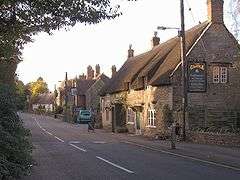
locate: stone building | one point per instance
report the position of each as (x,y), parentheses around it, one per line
(93,97)
(145,95)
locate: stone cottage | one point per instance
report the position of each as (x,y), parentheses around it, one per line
(93,97)
(145,95)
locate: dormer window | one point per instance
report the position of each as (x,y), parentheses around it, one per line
(220,74)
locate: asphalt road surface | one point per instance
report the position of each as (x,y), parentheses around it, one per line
(66,151)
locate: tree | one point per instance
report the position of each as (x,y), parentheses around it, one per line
(235,17)
(38,87)
(15,147)
(21,95)
(20,19)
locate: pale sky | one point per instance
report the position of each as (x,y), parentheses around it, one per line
(106,43)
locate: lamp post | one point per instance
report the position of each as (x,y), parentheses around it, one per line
(181,33)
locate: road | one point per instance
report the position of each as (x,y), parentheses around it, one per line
(66,151)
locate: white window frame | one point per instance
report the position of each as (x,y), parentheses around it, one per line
(151,118)
(220,74)
(216,78)
(223,74)
(130,116)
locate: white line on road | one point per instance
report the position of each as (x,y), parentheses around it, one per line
(99,142)
(115,165)
(74,142)
(59,139)
(49,133)
(81,149)
(184,156)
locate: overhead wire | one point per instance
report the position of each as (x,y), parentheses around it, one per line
(194,20)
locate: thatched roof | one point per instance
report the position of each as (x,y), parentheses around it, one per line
(156,64)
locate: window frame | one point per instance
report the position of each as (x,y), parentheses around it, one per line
(223,76)
(130,116)
(151,116)
(216,77)
(220,74)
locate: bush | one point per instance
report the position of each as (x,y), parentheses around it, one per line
(59,110)
(15,148)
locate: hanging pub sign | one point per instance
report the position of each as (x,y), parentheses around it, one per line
(197,77)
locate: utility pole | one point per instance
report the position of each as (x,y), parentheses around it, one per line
(184,68)
(66,97)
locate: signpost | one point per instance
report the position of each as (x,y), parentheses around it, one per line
(197,77)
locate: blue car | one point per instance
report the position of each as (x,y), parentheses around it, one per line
(84,116)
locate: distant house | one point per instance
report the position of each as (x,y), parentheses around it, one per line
(82,85)
(145,95)
(44,102)
(93,97)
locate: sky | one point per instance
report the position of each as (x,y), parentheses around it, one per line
(106,43)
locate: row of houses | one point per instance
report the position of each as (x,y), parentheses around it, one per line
(145,95)
(83,92)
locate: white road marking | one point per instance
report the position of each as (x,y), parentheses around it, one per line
(115,165)
(59,139)
(49,133)
(184,156)
(81,149)
(99,142)
(74,142)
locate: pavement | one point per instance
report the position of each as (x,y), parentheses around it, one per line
(65,151)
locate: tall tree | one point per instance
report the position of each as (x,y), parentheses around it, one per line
(38,87)
(20,19)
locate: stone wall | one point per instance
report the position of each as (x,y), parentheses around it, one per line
(217,139)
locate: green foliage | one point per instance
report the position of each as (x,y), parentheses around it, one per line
(21,96)
(15,148)
(20,20)
(58,110)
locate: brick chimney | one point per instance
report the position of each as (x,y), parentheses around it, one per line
(155,40)
(90,72)
(82,77)
(114,70)
(97,70)
(130,51)
(215,11)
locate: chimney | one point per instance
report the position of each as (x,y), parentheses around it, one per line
(130,51)
(215,11)
(97,70)
(82,77)
(90,72)
(114,70)
(155,40)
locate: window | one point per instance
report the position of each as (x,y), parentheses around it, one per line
(130,116)
(220,74)
(151,117)
(215,74)
(223,75)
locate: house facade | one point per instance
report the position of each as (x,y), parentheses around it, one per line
(93,98)
(44,102)
(146,93)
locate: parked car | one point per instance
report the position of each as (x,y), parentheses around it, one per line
(84,116)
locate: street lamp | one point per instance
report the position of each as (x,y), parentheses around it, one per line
(181,33)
